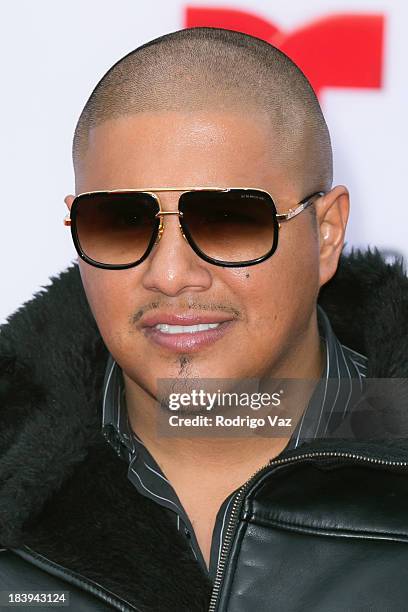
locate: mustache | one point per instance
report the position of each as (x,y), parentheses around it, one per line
(229,309)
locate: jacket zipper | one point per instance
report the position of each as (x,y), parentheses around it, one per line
(233,518)
(71,577)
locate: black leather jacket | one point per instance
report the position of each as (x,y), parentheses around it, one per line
(321,528)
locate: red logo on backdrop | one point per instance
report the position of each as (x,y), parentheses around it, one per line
(340,50)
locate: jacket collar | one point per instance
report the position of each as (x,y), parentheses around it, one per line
(62,489)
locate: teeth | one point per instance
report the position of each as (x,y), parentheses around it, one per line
(182,329)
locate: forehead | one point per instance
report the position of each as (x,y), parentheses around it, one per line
(179,149)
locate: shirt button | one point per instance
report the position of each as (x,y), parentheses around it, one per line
(187,532)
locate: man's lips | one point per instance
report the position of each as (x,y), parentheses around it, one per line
(185,341)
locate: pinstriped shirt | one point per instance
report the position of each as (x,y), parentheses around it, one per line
(334,396)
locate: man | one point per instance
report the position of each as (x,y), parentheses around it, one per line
(181,154)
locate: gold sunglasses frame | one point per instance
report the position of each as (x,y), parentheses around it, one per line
(280,217)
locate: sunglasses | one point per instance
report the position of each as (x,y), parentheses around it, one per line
(233,227)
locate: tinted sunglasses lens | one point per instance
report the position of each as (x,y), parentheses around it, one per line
(238,225)
(115,228)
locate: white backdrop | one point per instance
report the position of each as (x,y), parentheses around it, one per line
(53,54)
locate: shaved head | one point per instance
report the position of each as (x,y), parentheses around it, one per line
(215,69)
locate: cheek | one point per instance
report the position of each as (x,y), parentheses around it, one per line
(284,288)
(109,296)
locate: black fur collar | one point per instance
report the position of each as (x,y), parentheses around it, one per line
(65,493)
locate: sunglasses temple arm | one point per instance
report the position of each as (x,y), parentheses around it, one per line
(293,212)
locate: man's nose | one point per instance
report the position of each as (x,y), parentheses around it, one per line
(172,266)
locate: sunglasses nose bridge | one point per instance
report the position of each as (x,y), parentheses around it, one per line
(161,214)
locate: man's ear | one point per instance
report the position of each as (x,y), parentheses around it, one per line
(332,211)
(68,201)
